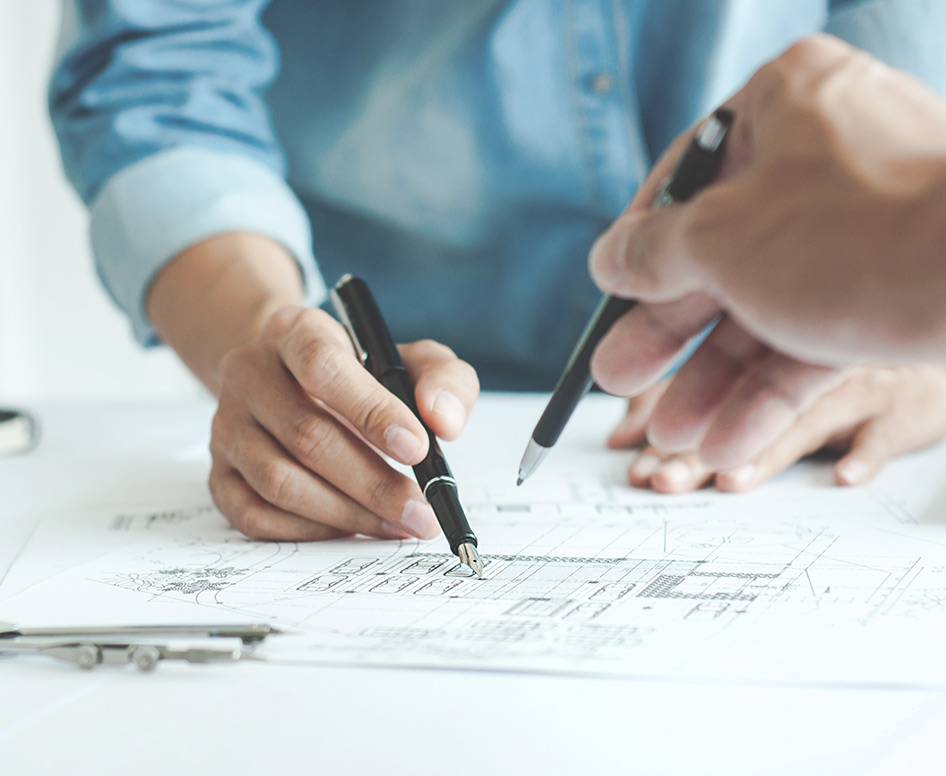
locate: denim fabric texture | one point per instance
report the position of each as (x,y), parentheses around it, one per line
(461,156)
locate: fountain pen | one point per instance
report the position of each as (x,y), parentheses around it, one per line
(698,167)
(359,314)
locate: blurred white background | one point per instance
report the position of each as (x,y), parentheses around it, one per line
(61,338)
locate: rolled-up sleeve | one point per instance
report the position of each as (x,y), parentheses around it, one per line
(160,114)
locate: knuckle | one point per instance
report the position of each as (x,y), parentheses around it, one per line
(238,505)
(812,54)
(321,362)
(218,431)
(281,321)
(215,484)
(803,51)
(250,520)
(311,322)
(235,506)
(372,418)
(468,374)
(773,81)
(312,438)
(276,482)
(217,450)
(800,71)
(434,349)
(225,430)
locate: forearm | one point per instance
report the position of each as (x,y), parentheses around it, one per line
(218,294)
(160,113)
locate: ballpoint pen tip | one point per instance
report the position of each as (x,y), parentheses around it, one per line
(519,481)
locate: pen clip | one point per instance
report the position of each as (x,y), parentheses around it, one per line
(342,312)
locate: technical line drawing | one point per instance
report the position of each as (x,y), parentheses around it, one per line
(581,585)
(157,520)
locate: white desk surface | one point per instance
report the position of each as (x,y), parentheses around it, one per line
(249,718)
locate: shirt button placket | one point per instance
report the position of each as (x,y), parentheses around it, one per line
(599,102)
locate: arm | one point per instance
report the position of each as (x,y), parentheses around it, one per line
(159,113)
(218,295)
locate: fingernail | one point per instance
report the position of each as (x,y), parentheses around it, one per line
(644,465)
(420,520)
(402,444)
(392,531)
(449,407)
(603,269)
(852,472)
(743,476)
(676,473)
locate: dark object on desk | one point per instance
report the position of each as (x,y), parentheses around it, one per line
(369,334)
(698,167)
(19,432)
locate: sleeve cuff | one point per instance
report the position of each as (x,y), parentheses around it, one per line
(150,212)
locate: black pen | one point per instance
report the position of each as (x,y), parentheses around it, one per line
(373,343)
(698,167)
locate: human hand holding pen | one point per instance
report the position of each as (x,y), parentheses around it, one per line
(300,421)
(299,425)
(815,246)
(371,339)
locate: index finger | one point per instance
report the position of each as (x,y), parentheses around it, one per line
(318,353)
(646,341)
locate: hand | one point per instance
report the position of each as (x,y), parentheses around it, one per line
(820,244)
(300,423)
(874,415)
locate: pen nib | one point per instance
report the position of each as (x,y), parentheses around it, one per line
(518,481)
(470,557)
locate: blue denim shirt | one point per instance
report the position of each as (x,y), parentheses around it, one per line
(461,156)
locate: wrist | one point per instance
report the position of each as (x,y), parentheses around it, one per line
(218,294)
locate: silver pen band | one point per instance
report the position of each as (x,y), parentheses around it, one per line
(441,478)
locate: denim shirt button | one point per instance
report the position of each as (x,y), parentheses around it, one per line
(601,83)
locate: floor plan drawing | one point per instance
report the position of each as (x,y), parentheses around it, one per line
(800,579)
(615,585)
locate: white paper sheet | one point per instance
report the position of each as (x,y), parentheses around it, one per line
(798,582)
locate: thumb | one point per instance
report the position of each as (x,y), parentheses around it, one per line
(640,255)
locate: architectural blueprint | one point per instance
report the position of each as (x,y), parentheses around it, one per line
(608,587)
(796,582)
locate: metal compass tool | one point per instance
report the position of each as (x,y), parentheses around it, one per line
(143,645)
